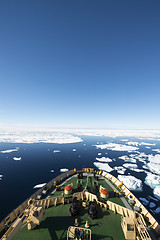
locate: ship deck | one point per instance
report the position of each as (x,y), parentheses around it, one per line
(57,219)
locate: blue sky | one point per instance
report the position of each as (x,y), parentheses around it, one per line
(81,64)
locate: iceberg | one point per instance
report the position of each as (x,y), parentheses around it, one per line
(103,166)
(16,158)
(104,159)
(39,185)
(131,182)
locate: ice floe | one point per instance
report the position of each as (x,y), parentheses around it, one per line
(30,135)
(152,205)
(116,147)
(39,185)
(51,170)
(120,170)
(131,182)
(156,150)
(56,151)
(144,201)
(156,192)
(103,166)
(63,169)
(17,158)
(104,159)
(1,177)
(9,150)
(99,154)
(157,210)
(74,150)
(155,199)
(130,165)
(127,159)
(152,180)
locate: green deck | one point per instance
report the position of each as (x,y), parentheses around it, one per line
(57,219)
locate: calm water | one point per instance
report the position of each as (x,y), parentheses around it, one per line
(19,177)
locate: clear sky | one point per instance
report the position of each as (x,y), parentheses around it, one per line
(80,63)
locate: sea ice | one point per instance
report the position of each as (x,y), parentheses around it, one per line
(116,147)
(56,151)
(133,143)
(127,159)
(104,159)
(9,150)
(103,166)
(99,154)
(38,135)
(155,199)
(1,177)
(39,185)
(154,167)
(157,210)
(120,170)
(152,180)
(51,170)
(17,158)
(156,192)
(156,150)
(130,165)
(152,205)
(74,150)
(131,182)
(144,201)
(63,169)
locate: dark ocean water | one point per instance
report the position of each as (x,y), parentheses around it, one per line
(37,159)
